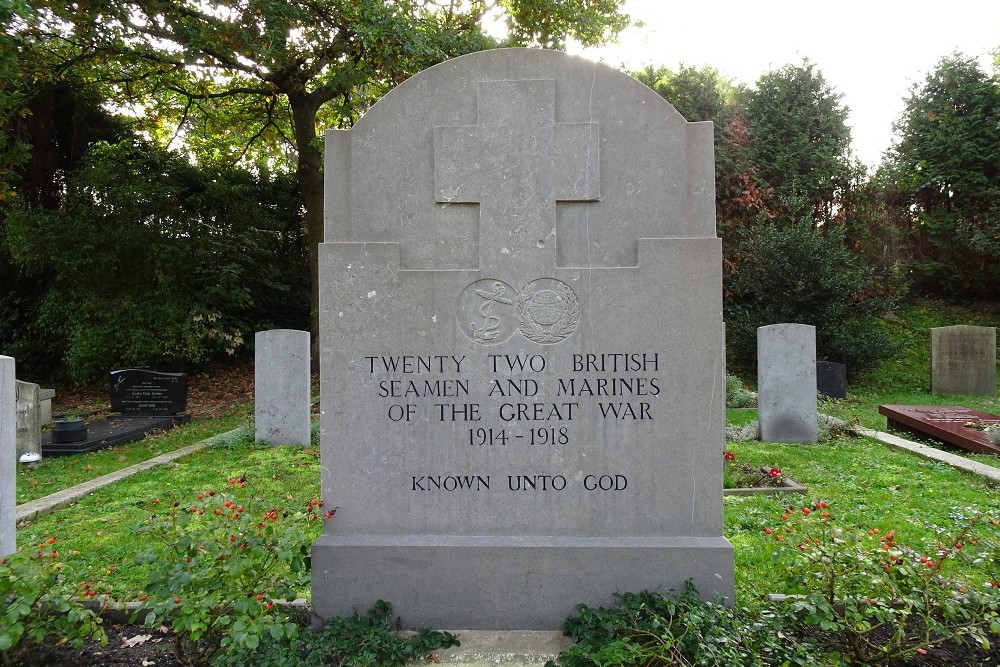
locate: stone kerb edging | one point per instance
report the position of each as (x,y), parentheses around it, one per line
(954,460)
(40,506)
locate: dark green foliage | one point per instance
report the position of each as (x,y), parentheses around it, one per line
(653,629)
(797,275)
(799,141)
(351,641)
(946,166)
(152,261)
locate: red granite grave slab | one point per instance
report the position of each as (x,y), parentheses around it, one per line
(954,425)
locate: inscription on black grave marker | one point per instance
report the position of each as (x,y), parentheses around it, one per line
(142,392)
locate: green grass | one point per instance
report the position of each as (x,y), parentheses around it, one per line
(866,483)
(55,473)
(96,537)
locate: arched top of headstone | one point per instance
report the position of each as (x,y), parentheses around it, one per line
(495,158)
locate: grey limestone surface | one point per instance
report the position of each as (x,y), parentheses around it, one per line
(521,348)
(786,383)
(29,417)
(964,360)
(8,457)
(281,387)
(45,397)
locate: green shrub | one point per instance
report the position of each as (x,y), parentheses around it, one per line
(41,609)
(653,629)
(738,395)
(149,260)
(794,274)
(877,601)
(224,566)
(348,641)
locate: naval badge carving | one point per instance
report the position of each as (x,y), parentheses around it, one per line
(545,311)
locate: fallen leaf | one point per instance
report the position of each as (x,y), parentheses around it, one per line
(135,641)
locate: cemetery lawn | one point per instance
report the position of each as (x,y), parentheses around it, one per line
(217,402)
(867,484)
(55,473)
(97,538)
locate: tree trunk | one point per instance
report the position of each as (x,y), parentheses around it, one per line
(310,179)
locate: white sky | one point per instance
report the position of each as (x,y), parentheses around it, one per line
(871,51)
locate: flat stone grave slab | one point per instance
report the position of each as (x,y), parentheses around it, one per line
(112,431)
(946,423)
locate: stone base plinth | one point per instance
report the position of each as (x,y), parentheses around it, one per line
(507,583)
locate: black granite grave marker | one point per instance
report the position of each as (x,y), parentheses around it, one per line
(831,379)
(142,392)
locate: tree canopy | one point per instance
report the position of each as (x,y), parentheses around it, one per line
(945,164)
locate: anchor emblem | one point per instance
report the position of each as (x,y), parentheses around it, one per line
(490,328)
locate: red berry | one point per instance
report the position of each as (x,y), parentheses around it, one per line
(259,597)
(177,600)
(143,598)
(156,501)
(805,511)
(768,531)
(270,605)
(218,512)
(232,538)
(54,554)
(235,515)
(51,540)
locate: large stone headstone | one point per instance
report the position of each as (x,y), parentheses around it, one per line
(521,348)
(8,458)
(29,419)
(281,387)
(964,360)
(786,383)
(139,392)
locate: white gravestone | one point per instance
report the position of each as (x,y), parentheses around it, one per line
(521,348)
(29,418)
(281,387)
(8,458)
(786,383)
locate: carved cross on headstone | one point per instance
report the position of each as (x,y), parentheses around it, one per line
(516,163)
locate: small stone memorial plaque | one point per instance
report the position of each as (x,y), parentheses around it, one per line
(786,382)
(958,426)
(148,393)
(281,387)
(964,360)
(29,424)
(521,348)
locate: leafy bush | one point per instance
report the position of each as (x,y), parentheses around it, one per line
(877,600)
(653,629)
(349,641)
(738,395)
(795,274)
(41,609)
(149,260)
(224,566)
